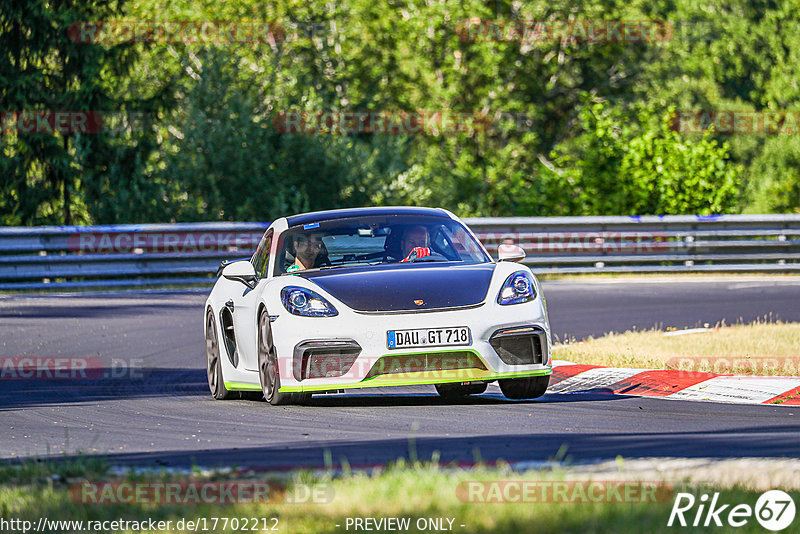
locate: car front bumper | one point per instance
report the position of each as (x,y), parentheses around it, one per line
(351,349)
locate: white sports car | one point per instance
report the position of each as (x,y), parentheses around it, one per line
(373,297)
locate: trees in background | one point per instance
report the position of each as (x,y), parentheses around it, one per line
(571,127)
(738,56)
(641,166)
(50,172)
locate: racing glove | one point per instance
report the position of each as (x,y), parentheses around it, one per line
(417,253)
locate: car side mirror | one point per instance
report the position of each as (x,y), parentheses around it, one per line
(510,253)
(241,271)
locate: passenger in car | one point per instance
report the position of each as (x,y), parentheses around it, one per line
(306,250)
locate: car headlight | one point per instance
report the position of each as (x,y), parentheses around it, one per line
(517,288)
(304,302)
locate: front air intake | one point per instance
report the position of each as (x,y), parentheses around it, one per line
(324,358)
(520,345)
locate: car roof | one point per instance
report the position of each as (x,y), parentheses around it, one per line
(319,216)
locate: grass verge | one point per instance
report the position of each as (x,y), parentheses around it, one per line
(759,348)
(419,492)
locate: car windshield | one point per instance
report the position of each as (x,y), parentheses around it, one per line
(376,240)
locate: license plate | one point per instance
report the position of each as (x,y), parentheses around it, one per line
(428,337)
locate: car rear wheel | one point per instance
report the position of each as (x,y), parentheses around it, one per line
(268,369)
(216,383)
(450,391)
(524,388)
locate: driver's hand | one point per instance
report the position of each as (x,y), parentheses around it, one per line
(417,253)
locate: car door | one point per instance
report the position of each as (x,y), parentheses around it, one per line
(246,306)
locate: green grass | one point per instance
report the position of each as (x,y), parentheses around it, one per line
(414,491)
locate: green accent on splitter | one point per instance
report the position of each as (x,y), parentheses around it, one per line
(239,386)
(388,371)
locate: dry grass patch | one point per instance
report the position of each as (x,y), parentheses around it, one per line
(754,349)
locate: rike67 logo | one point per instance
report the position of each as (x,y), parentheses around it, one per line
(774,510)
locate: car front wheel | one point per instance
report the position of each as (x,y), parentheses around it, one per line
(268,369)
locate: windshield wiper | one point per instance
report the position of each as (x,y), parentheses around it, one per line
(349,264)
(425,259)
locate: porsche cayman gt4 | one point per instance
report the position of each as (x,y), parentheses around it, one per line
(372,297)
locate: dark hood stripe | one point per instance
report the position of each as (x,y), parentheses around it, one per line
(395,288)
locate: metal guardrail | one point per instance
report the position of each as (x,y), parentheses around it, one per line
(671,243)
(189,253)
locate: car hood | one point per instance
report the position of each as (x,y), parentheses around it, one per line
(406,287)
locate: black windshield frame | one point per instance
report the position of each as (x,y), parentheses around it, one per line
(375,239)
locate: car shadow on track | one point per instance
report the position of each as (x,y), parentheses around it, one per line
(101,385)
(430,398)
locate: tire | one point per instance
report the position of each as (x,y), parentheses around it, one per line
(524,388)
(216,382)
(451,391)
(268,371)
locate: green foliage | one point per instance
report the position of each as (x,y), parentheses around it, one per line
(740,56)
(573,127)
(778,167)
(43,70)
(229,162)
(641,167)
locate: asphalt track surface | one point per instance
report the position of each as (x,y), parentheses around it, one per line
(163,415)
